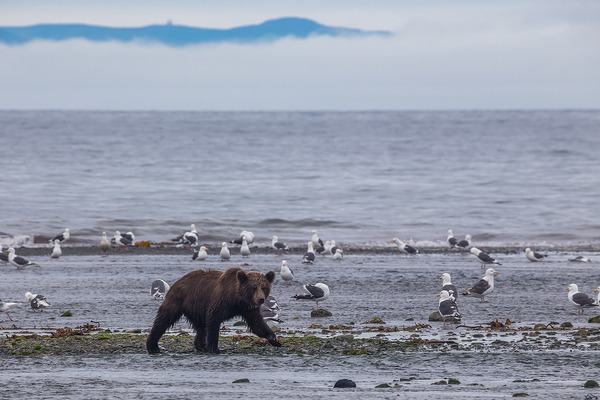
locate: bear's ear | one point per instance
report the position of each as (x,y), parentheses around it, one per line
(270,276)
(242,277)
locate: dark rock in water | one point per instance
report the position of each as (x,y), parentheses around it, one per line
(344,383)
(382,386)
(591,384)
(243,380)
(435,317)
(521,394)
(566,325)
(452,381)
(594,320)
(320,312)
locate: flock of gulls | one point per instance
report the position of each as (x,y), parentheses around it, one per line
(317,292)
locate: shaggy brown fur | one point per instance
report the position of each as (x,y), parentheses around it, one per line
(207,298)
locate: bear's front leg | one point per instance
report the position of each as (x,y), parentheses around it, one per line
(200,340)
(259,327)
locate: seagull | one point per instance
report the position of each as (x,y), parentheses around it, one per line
(339,254)
(484,287)
(245,249)
(317,292)
(6,306)
(533,256)
(287,275)
(56,251)
(200,254)
(448,286)
(309,256)
(315,240)
(121,240)
(597,290)
(104,243)
(269,310)
(277,245)
(62,237)
(324,249)
(580,299)
(407,249)
(225,254)
(333,247)
(452,242)
(465,243)
(3,255)
(447,307)
(249,236)
(583,259)
(129,236)
(37,301)
(483,257)
(19,261)
(190,237)
(159,289)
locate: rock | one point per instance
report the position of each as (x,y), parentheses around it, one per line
(440,383)
(67,314)
(594,320)
(382,386)
(452,381)
(591,384)
(566,325)
(521,394)
(344,383)
(243,380)
(320,312)
(435,317)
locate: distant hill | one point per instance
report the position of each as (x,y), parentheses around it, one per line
(178,35)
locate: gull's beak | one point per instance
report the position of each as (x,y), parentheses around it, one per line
(496,272)
(566,289)
(438,295)
(596,290)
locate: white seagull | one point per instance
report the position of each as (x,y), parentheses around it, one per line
(159,289)
(37,301)
(465,243)
(104,243)
(447,307)
(533,256)
(6,306)
(339,254)
(249,236)
(287,275)
(200,254)
(245,249)
(580,299)
(120,240)
(224,254)
(314,238)
(405,248)
(277,245)
(190,237)
(325,248)
(19,261)
(61,237)
(56,251)
(317,292)
(309,256)
(452,242)
(448,286)
(484,287)
(483,257)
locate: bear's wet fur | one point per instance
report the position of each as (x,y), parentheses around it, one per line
(207,298)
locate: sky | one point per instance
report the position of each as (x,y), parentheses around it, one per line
(444,55)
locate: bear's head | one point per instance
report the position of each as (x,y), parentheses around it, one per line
(255,287)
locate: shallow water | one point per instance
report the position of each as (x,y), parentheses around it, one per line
(114,291)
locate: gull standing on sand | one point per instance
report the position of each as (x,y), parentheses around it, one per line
(405,248)
(245,249)
(309,256)
(120,240)
(224,254)
(484,286)
(287,275)
(483,257)
(465,243)
(581,300)
(56,251)
(200,254)
(314,238)
(6,306)
(339,254)
(277,245)
(533,256)
(19,261)
(448,286)
(104,243)
(452,242)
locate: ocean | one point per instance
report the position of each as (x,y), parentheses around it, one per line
(360,178)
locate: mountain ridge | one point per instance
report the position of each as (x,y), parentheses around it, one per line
(179,35)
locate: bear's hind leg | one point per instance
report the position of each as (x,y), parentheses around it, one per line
(200,340)
(166,317)
(212,338)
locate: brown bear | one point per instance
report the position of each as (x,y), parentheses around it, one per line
(207,298)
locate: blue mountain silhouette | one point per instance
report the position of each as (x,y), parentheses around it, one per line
(178,35)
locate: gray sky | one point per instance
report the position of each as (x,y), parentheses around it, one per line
(444,55)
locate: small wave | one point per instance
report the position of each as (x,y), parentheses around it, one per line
(304,223)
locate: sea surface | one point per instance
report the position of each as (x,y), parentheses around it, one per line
(514,178)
